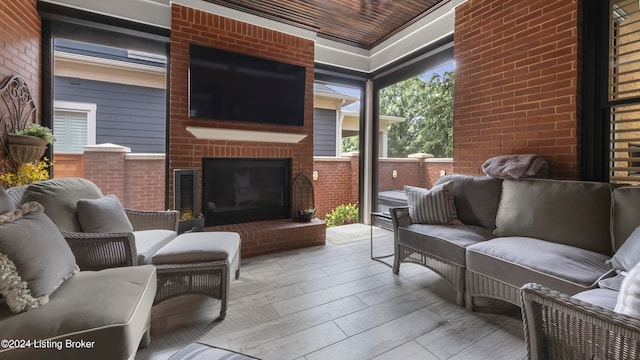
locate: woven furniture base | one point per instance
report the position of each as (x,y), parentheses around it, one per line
(210,279)
(481,285)
(560,327)
(451,272)
(199,351)
(215,256)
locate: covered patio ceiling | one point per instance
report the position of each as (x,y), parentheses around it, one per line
(360,23)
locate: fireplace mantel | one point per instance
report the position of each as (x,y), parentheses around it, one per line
(244,135)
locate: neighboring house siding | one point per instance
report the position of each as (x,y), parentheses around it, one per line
(324,132)
(127,115)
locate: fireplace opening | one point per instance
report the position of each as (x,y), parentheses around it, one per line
(237,190)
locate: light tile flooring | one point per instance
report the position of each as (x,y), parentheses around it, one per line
(333,302)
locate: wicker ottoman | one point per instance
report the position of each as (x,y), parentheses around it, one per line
(199,262)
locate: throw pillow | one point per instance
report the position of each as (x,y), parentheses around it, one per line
(103,215)
(629,295)
(628,254)
(612,283)
(34,258)
(434,207)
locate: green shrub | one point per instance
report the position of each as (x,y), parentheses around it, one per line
(37,130)
(343,214)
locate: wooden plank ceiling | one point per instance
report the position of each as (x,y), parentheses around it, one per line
(361,23)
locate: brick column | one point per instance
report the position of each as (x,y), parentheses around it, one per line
(104,165)
(423,177)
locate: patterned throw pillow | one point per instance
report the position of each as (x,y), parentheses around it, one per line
(629,294)
(34,257)
(434,207)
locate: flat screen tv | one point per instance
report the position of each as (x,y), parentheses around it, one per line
(225,85)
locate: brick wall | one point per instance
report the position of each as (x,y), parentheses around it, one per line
(106,170)
(338,177)
(138,180)
(191,26)
(20,45)
(516,90)
(145,185)
(409,172)
(335,184)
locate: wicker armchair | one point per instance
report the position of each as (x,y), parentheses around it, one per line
(559,327)
(153,232)
(97,251)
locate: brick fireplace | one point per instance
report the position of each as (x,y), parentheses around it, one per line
(192,140)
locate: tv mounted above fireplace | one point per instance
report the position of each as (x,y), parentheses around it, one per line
(236,190)
(229,86)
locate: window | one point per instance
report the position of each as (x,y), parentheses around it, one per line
(74,126)
(624,91)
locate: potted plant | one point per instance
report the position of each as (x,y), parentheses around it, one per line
(306,214)
(189,222)
(28,145)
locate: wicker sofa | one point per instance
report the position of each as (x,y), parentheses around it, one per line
(584,326)
(557,326)
(552,232)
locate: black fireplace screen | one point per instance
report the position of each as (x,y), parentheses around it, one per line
(237,190)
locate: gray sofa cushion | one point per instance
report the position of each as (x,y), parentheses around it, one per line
(15,194)
(575,213)
(36,259)
(476,198)
(149,241)
(103,215)
(446,241)
(110,308)
(60,197)
(433,206)
(199,247)
(520,260)
(601,297)
(626,213)
(6,204)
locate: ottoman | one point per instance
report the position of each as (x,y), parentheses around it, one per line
(199,262)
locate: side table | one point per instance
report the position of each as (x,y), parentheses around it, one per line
(379,258)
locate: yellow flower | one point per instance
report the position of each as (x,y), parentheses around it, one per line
(27,173)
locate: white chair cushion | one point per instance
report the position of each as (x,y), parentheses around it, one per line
(149,241)
(199,247)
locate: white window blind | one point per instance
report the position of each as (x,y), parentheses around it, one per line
(70,131)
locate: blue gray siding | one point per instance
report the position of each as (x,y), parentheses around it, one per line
(324,132)
(127,115)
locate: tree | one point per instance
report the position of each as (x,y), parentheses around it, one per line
(351,143)
(428,111)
